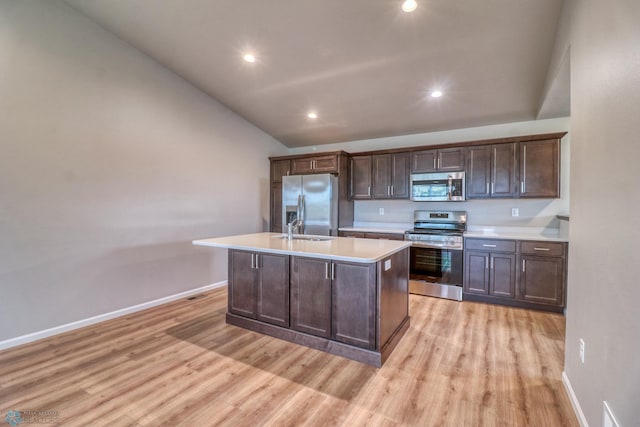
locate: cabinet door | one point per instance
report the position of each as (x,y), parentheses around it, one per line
(361,177)
(503,275)
(301,166)
(504,181)
(354,304)
(478,170)
(273,289)
(400,176)
(324,164)
(451,159)
(382,176)
(276,207)
(540,168)
(311,296)
(242,284)
(476,272)
(280,168)
(542,280)
(424,161)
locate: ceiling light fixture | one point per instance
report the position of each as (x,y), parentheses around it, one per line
(409,5)
(249,58)
(312,115)
(436,94)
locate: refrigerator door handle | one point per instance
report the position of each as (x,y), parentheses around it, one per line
(302,219)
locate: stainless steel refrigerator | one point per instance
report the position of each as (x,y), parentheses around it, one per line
(313,200)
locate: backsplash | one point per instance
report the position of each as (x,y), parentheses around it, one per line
(532,212)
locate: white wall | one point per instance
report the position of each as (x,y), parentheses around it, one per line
(603,304)
(533,213)
(110,165)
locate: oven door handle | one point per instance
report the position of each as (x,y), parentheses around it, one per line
(435,246)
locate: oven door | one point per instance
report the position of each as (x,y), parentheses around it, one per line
(436,265)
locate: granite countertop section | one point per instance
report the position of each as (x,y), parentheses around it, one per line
(337,248)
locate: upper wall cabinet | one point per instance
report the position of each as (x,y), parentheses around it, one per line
(391,176)
(540,168)
(445,159)
(381,176)
(315,164)
(360,188)
(491,171)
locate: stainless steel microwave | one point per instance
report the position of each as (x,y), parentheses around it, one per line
(438,187)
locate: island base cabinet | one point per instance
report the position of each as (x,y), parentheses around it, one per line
(311,296)
(242,284)
(355,310)
(259,286)
(353,290)
(273,288)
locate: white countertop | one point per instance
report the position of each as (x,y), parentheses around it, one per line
(367,229)
(533,234)
(338,248)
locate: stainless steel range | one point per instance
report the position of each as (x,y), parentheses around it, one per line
(436,253)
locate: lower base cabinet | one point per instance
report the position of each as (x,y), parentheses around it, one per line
(260,286)
(530,274)
(334,300)
(356,310)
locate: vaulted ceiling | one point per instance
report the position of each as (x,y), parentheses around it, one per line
(364,66)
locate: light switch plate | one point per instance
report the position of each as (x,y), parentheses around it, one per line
(387,265)
(515,212)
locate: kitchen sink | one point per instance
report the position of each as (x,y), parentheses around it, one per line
(304,237)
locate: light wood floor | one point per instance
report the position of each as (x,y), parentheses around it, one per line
(460,364)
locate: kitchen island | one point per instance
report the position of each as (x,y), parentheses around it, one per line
(345,296)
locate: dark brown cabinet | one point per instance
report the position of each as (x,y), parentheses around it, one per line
(311,296)
(279,168)
(353,313)
(444,159)
(524,273)
(360,188)
(491,171)
(259,286)
(315,164)
(391,176)
(334,300)
(543,270)
(540,168)
(490,267)
(356,310)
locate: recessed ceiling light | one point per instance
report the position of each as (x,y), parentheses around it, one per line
(436,94)
(409,5)
(312,115)
(249,57)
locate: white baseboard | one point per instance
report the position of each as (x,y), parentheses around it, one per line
(574,400)
(13,342)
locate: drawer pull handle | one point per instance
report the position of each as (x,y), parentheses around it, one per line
(488,246)
(541,249)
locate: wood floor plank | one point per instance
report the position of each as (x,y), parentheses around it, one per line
(460,363)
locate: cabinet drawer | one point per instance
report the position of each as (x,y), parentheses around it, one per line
(493,245)
(542,248)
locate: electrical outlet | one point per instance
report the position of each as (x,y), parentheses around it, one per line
(581,350)
(381,211)
(515,212)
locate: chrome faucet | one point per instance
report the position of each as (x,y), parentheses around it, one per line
(290,227)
